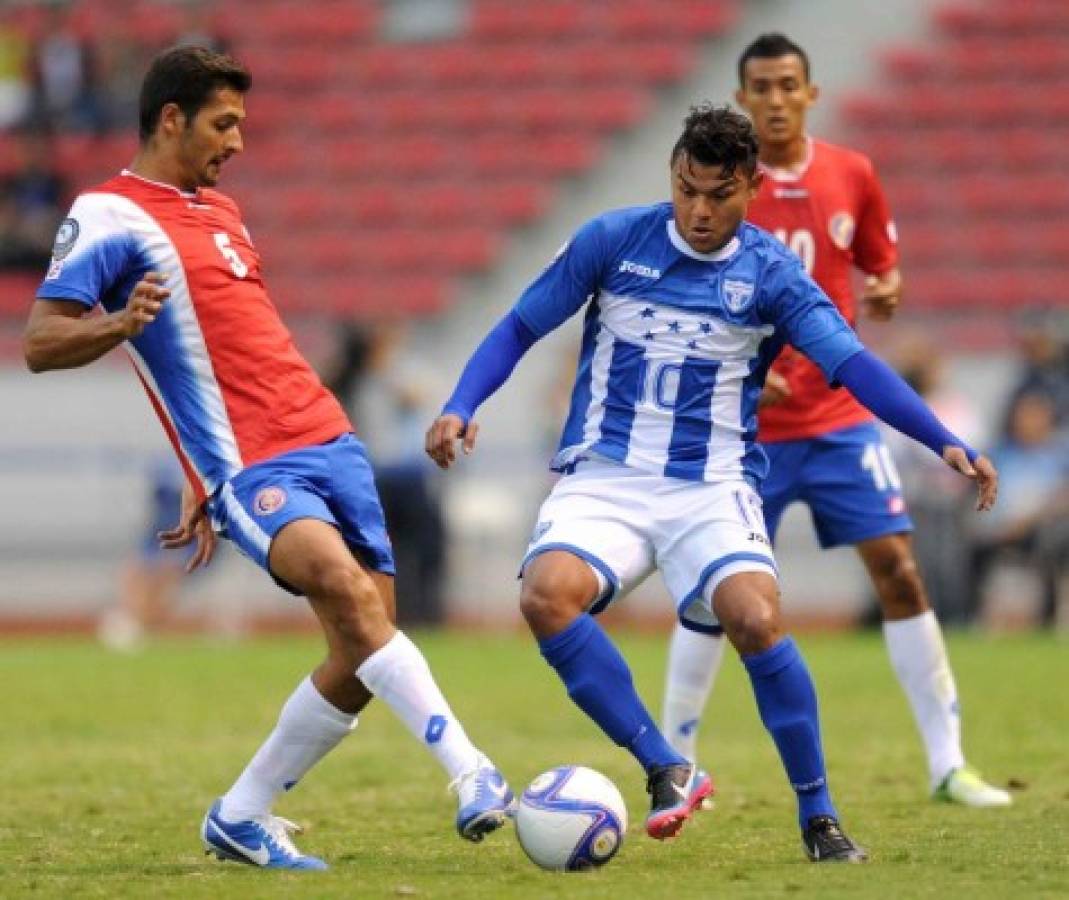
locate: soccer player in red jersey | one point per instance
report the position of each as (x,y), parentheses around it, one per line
(826,204)
(269,455)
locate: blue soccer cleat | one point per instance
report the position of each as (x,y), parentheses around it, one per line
(261,841)
(485,801)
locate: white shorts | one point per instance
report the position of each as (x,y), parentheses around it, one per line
(625,523)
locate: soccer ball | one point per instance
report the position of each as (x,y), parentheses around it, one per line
(571,818)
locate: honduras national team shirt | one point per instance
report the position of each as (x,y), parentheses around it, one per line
(676,343)
(219,366)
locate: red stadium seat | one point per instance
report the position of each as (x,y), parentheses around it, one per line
(326,22)
(366,296)
(1035,17)
(17,290)
(368,160)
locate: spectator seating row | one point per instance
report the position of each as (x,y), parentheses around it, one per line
(967,134)
(369,160)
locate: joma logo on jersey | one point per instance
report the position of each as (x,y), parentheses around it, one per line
(639,269)
(737,294)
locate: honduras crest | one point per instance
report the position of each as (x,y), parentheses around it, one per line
(737,294)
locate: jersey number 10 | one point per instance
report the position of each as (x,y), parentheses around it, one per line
(801,244)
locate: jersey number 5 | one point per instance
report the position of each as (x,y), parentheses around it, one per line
(801,244)
(237,266)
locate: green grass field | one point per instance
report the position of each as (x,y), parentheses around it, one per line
(108,763)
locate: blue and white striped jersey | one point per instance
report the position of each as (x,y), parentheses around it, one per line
(676,344)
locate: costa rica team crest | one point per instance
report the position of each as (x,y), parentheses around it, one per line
(841,229)
(737,294)
(269,500)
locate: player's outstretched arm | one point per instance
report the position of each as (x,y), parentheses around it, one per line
(193,525)
(60,334)
(878,387)
(489,367)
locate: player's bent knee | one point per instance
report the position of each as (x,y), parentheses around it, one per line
(552,596)
(900,587)
(752,623)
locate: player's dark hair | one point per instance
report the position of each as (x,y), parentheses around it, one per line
(772,45)
(187,76)
(718,136)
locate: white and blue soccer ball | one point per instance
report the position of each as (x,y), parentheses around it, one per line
(571,818)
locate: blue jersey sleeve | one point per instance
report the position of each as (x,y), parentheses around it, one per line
(91,254)
(882,390)
(808,320)
(567,283)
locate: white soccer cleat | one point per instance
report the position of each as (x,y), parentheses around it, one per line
(965,786)
(485,800)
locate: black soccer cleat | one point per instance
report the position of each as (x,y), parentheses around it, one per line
(675,792)
(824,841)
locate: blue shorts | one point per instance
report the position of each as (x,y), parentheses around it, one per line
(847,479)
(331,482)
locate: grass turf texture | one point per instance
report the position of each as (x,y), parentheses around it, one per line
(110,761)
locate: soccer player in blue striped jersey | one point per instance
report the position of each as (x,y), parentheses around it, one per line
(686,306)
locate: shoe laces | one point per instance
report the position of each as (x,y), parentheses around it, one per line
(279,830)
(467,784)
(831,835)
(661,784)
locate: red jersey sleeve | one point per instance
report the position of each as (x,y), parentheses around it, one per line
(875,245)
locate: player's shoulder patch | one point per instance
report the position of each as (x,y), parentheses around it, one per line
(66,237)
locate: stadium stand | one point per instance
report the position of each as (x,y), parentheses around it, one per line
(373,160)
(966,133)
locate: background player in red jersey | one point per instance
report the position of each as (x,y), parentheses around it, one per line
(825,203)
(270,455)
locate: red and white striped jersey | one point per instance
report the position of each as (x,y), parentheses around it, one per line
(219,366)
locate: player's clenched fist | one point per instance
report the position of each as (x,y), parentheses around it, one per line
(443,435)
(144,304)
(882,295)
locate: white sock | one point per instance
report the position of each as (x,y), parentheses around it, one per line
(308,728)
(693,661)
(920,660)
(398,675)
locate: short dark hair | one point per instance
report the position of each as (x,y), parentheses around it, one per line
(718,136)
(771,46)
(187,76)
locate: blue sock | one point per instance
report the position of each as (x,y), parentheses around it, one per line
(787,702)
(599,681)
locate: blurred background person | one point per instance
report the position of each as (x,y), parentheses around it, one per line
(1043,340)
(150,581)
(32,199)
(14,85)
(1030,523)
(390,395)
(939,506)
(66,90)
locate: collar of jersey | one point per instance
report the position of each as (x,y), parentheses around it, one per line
(726,252)
(169,187)
(794,173)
